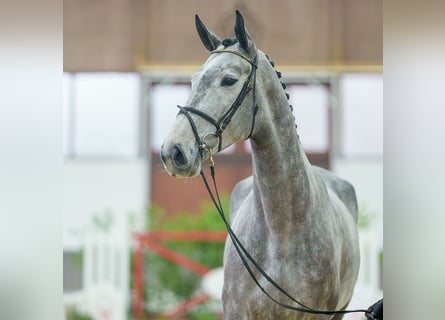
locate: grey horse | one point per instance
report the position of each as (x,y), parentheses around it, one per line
(297,220)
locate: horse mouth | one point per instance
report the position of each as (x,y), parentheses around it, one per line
(179,173)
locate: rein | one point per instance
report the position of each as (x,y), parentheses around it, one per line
(220,125)
(372,313)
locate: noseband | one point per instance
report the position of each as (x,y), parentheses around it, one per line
(221,124)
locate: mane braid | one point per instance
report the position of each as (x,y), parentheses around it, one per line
(282,84)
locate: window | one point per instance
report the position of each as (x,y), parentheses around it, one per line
(310,103)
(163,101)
(101,114)
(361,99)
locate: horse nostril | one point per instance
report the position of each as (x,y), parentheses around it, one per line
(179,157)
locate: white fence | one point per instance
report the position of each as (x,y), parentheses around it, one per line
(106,268)
(369,275)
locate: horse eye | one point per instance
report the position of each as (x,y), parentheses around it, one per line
(226,82)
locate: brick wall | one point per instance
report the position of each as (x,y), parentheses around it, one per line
(176,195)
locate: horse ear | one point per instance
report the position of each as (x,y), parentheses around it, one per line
(242,35)
(208,38)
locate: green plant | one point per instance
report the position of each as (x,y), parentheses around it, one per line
(103,220)
(365,216)
(166,279)
(76,259)
(73,314)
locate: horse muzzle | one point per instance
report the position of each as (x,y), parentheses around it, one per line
(180,161)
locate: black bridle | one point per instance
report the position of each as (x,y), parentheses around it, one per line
(221,124)
(375,312)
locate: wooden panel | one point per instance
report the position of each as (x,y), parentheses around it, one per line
(113,34)
(98,35)
(363,31)
(291,31)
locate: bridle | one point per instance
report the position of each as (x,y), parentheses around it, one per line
(221,124)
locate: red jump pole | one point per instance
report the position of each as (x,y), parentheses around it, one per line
(138,279)
(198,235)
(177,258)
(188,304)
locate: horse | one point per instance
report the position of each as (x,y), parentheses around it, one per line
(297,220)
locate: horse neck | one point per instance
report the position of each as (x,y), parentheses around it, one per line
(281,169)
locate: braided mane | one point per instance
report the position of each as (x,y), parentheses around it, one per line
(282,84)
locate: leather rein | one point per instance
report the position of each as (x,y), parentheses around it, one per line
(220,126)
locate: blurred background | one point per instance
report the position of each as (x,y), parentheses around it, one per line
(128,226)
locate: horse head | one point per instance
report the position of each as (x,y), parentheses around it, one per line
(221,108)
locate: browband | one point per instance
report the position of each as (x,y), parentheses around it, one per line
(237,53)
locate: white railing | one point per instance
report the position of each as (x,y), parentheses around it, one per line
(369,275)
(106,267)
